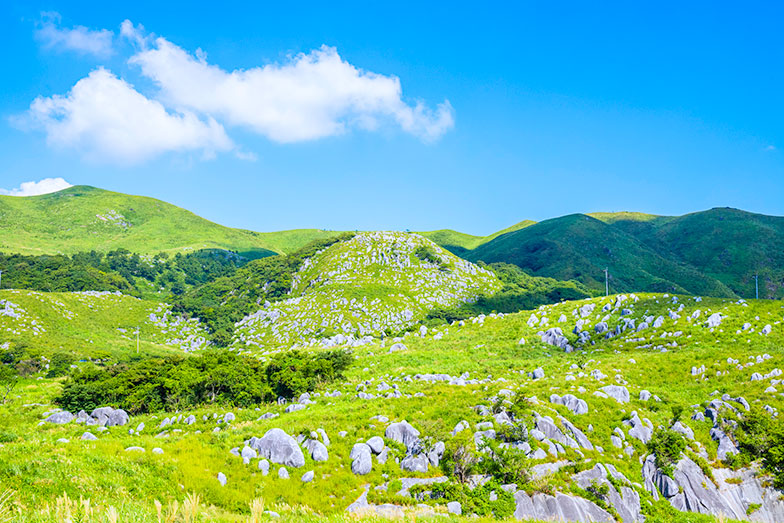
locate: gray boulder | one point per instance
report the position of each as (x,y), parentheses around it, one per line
(279,447)
(60,418)
(571,402)
(561,507)
(418,463)
(404,433)
(264,467)
(618,392)
(361,463)
(621,495)
(376,444)
(318,451)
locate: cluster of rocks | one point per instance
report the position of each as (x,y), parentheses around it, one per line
(279,448)
(187,334)
(740,495)
(102,417)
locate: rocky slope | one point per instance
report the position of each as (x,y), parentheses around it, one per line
(374,284)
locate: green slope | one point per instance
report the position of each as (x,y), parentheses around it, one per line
(729,245)
(372,284)
(84,218)
(579,247)
(460,242)
(92,325)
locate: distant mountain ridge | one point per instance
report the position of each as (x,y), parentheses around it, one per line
(715,252)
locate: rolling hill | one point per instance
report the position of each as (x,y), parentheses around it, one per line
(460,242)
(84,218)
(715,252)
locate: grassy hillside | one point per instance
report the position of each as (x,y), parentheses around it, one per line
(85,218)
(579,247)
(459,242)
(370,285)
(92,325)
(477,371)
(729,245)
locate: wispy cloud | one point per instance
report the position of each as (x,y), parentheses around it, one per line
(770,148)
(45,186)
(306,97)
(78,38)
(106,119)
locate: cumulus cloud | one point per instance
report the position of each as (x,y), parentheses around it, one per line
(310,96)
(44,186)
(79,38)
(108,120)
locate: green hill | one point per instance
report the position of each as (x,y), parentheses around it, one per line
(92,325)
(460,242)
(729,245)
(580,247)
(488,381)
(368,284)
(84,218)
(715,252)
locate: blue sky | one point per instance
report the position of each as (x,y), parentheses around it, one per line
(355,116)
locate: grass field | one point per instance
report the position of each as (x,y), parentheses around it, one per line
(37,468)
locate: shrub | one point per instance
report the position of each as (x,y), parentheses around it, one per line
(668,446)
(760,436)
(473,501)
(505,464)
(460,457)
(213,377)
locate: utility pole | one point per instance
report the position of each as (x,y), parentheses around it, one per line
(606,281)
(756,285)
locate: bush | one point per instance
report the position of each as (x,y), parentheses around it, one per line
(214,377)
(460,457)
(668,446)
(473,501)
(505,464)
(760,436)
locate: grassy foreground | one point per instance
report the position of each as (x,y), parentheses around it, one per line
(37,468)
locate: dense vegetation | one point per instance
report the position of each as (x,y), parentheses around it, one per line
(759,436)
(213,377)
(520,291)
(118,270)
(668,446)
(579,247)
(226,300)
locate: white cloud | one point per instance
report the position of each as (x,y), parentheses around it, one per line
(44,186)
(310,96)
(109,121)
(79,38)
